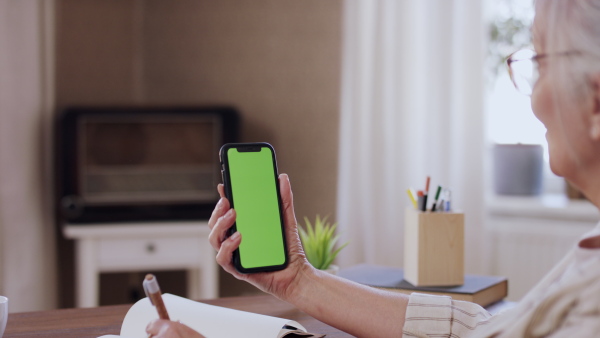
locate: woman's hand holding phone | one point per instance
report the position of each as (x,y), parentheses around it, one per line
(279,283)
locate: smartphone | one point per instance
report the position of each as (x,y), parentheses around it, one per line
(251,184)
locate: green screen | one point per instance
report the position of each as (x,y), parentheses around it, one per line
(252,177)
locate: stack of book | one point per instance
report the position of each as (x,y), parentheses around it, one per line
(483,290)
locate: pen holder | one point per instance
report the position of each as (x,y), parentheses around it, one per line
(434,248)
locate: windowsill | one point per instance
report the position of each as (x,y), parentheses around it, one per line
(546,206)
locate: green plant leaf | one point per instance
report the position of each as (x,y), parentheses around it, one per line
(318,227)
(331,230)
(302,234)
(334,254)
(309,228)
(332,243)
(319,240)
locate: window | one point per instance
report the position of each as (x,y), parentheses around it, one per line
(509,116)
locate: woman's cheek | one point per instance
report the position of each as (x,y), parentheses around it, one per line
(540,102)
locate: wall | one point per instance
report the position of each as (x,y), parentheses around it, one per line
(277,61)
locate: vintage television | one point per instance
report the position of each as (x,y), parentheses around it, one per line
(140,164)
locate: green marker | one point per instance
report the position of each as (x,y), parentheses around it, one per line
(437,195)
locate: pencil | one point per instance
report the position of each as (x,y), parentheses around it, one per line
(153,292)
(411,195)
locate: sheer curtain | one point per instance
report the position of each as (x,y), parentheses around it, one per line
(412,98)
(27,274)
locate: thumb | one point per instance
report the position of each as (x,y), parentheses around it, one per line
(287,200)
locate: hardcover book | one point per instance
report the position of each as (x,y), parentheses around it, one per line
(483,290)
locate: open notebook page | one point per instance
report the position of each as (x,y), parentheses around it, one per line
(211,321)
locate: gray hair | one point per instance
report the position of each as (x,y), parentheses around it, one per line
(571,25)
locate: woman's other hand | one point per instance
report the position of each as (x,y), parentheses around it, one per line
(279,283)
(162,328)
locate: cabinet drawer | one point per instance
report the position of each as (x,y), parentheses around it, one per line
(176,252)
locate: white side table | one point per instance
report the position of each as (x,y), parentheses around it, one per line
(119,247)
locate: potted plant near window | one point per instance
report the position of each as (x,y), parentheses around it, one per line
(319,241)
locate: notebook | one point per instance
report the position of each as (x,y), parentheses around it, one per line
(209,320)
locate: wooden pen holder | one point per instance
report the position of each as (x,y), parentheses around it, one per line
(434,248)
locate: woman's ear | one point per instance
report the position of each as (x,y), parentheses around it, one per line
(595,119)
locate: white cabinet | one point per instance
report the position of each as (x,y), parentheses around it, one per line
(118,247)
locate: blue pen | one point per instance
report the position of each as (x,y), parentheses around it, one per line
(448,195)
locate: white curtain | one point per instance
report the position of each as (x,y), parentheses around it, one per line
(412,98)
(27,273)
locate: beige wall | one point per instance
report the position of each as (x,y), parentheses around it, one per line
(277,61)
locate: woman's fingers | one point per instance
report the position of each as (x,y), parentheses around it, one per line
(162,328)
(154,326)
(219,230)
(226,252)
(219,210)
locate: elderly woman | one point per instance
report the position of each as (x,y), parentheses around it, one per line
(565,96)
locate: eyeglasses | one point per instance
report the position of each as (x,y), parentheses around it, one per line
(523,68)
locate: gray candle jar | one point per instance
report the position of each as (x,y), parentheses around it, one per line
(518,169)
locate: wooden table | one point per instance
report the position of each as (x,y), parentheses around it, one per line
(94,322)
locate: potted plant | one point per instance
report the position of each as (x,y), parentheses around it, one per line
(319,242)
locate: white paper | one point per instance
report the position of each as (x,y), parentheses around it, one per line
(211,321)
